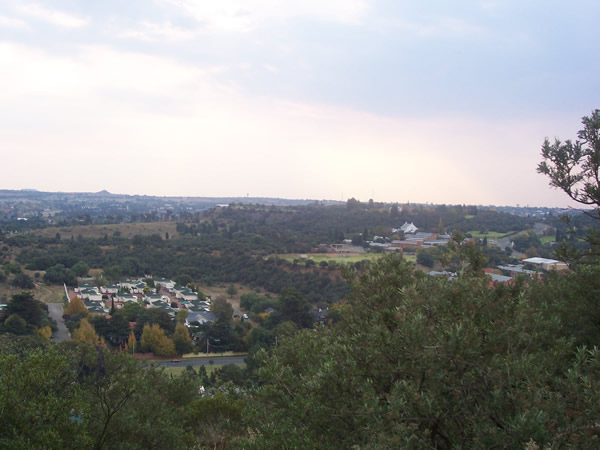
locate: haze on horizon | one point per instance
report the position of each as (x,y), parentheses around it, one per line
(441,102)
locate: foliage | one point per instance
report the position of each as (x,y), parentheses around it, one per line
(86,333)
(16,325)
(421,362)
(75,307)
(28,308)
(80,269)
(23,281)
(182,339)
(58,274)
(154,340)
(574,168)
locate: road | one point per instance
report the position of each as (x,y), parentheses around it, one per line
(220,360)
(55,311)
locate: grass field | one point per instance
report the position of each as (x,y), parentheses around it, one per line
(489,234)
(210,368)
(127,230)
(547,239)
(43,292)
(338,258)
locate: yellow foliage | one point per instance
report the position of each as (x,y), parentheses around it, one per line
(155,341)
(86,333)
(45,332)
(76,306)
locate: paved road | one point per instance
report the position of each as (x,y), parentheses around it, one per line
(55,311)
(203,361)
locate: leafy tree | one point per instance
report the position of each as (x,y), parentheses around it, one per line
(131,341)
(182,339)
(28,308)
(295,308)
(223,309)
(181,315)
(425,258)
(231,290)
(86,333)
(420,362)
(23,281)
(76,307)
(184,279)
(58,274)
(16,325)
(574,168)
(80,269)
(154,340)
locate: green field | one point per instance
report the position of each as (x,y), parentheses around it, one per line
(547,239)
(210,368)
(489,234)
(338,258)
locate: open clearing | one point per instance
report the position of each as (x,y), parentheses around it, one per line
(489,234)
(126,230)
(43,292)
(337,257)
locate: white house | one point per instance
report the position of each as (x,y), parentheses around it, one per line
(164,282)
(407,228)
(90,294)
(110,289)
(125,297)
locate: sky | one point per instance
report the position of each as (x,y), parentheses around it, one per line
(434,101)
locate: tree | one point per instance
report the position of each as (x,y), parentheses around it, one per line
(422,362)
(86,333)
(131,342)
(28,308)
(223,309)
(16,325)
(295,308)
(80,269)
(574,168)
(231,290)
(154,340)
(75,307)
(23,281)
(182,339)
(181,315)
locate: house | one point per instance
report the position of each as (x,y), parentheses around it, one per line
(186,294)
(90,294)
(164,282)
(200,317)
(94,307)
(124,297)
(406,228)
(110,289)
(151,298)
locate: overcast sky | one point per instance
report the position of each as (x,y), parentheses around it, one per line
(432,101)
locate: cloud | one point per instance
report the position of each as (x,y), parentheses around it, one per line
(152,32)
(247,15)
(436,28)
(148,124)
(11,22)
(52,16)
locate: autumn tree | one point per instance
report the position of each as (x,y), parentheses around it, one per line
(131,341)
(76,307)
(154,340)
(86,333)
